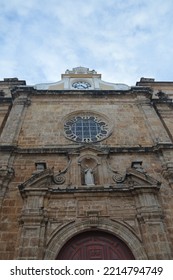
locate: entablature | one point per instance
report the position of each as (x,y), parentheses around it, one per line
(70,149)
(17,91)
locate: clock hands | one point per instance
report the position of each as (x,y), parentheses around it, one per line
(81,85)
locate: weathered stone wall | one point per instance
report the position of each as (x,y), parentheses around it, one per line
(23,220)
(134,121)
(132,192)
(165,113)
(4,109)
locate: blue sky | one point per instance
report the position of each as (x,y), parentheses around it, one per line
(123,40)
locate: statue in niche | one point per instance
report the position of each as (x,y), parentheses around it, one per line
(88,176)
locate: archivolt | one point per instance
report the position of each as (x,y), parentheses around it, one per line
(115,228)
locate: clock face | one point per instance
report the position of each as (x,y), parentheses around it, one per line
(81,85)
(86,129)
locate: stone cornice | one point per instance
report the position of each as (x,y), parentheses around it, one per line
(134,181)
(95,93)
(17,91)
(65,150)
(132,92)
(168,101)
(5,100)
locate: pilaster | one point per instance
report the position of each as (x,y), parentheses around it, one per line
(6,174)
(151,222)
(12,127)
(157,131)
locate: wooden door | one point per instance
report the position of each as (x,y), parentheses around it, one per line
(95,246)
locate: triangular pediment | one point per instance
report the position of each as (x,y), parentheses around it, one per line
(37,181)
(141,178)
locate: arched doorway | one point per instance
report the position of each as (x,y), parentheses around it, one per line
(95,245)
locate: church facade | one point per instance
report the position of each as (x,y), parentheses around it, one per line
(86,169)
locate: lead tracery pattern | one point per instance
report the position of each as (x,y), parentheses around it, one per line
(86,128)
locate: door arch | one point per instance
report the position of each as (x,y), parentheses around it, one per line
(95,245)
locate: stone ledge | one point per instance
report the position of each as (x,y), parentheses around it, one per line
(76,148)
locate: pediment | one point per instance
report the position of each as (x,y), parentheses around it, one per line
(78,78)
(141,178)
(37,181)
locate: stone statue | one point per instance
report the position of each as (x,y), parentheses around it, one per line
(89,178)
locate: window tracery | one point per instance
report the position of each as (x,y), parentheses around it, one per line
(86,128)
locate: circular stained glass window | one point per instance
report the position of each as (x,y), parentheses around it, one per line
(86,129)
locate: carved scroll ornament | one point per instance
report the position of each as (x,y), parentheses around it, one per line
(59,178)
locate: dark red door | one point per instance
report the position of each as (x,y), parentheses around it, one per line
(95,246)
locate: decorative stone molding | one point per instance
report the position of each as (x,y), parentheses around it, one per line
(36,217)
(162,95)
(136,182)
(134,179)
(117,176)
(167,171)
(80,70)
(39,181)
(135,176)
(2,93)
(6,171)
(93,218)
(61,236)
(6,175)
(59,178)
(22,100)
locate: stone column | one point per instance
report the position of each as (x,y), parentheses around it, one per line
(32,235)
(74,171)
(8,140)
(33,219)
(13,124)
(6,174)
(33,223)
(157,131)
(167,165)
(151,224)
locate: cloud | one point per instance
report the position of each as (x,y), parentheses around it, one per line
(123,40)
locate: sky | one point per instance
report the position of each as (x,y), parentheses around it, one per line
(123,40)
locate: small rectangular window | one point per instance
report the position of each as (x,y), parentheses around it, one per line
(40,166)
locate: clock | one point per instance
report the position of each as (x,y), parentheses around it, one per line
(81,85)
(86,128)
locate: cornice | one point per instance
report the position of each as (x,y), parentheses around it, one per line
(92,92)
(17,91)
(67,150)
(168,101)
(5,100)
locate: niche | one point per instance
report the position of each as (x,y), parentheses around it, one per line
(89,171)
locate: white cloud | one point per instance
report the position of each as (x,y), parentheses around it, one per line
(123,40)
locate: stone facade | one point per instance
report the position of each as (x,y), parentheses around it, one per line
(45,199)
